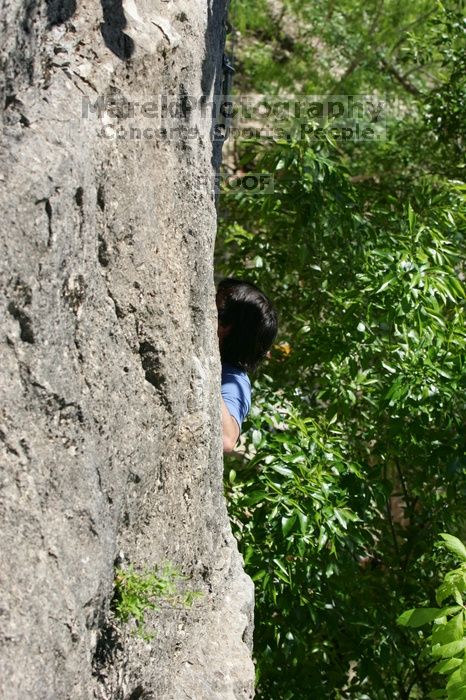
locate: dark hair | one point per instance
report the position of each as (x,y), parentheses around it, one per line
(252,320)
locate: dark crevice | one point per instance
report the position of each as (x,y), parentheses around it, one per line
(112,29)
(102,246)
(11,99)
(25,447)
(48,211)
(102,252)
(24,320)
(211,68)
(151,365)
(185,104)
(58,11)
(8,447)
(139,693)
(118,310)
(78,196)
(108,646)
(101,198)
(79,199)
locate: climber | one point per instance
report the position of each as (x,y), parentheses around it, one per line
(247,326)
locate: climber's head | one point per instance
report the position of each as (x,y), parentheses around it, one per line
(247,323)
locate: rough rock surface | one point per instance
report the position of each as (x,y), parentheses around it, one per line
(109,418)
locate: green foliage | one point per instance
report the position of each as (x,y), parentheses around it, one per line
(447,641)
(294,469)
(354,456)
(337,46)
(446,44)
(136,592)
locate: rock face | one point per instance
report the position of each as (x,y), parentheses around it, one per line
(110,373)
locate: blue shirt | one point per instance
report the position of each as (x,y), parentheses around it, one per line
(236,391)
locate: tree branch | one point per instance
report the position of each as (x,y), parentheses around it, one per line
(401,79)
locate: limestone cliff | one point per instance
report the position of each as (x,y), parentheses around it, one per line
(110,371)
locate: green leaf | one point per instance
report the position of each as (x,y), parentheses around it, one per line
(454,545)
(411,217)
(457,693)
(447,665)
(449,588)
(255,497)
(287,524)
(456,687)
(445,632)
(281,571)
(445,651)
(256,437)
(419,616)
(386,282)
(341,519)
(259,575)
(303,522)
(284,471)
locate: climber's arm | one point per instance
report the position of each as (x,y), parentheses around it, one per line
(230,429)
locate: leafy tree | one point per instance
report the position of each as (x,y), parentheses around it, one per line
(448,640)
(354,457)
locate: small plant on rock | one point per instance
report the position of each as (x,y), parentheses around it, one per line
(136,592)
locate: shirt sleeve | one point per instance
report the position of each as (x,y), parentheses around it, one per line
(236,393)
